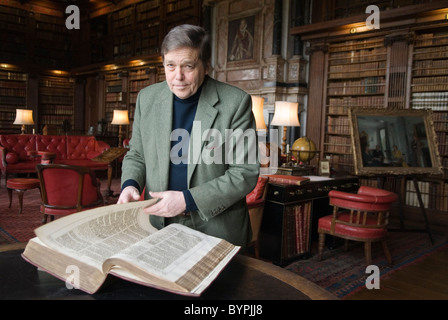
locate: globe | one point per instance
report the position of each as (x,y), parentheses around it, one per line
(301,149)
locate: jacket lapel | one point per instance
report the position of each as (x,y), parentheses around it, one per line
(204,119)
(163,128)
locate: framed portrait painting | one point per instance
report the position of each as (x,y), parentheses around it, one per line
(241,39)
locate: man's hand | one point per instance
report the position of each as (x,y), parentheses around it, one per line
(129,194)
(171,204)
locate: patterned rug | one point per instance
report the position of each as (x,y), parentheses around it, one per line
(15,227)
(344,272)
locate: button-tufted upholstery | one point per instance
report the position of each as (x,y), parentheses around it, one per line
(72,150)
(363,216)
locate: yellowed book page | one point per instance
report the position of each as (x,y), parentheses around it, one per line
(187,258)
(63,267)
(94,235)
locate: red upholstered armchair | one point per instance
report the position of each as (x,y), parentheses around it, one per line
(255,202)
(67,189)
(363,216)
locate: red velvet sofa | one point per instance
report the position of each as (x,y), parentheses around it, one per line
(73,150)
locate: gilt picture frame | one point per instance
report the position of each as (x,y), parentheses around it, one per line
(394,142)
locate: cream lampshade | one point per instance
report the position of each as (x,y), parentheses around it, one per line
(24,117)
(286,114)
(120,118)
(257,109)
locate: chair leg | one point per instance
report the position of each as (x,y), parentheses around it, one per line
(346,245)
(368,252)
(10,197)
(321,245)
(387,252)
(20,195)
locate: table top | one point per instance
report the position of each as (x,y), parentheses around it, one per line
(110,154)
(244,278)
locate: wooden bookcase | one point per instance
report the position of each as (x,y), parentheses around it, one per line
(429,86)
(52,42)
(405,67)
(138,79)
(148,36)
(356,76)
(429,90)
(13,95)
(56,102)
(14,41)
(115,97)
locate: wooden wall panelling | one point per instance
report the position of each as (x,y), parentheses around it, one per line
(316,98)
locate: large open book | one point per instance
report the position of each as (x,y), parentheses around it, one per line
(119,240)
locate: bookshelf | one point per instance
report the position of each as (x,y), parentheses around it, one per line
(356,76)
(14,41)
(138,79)
(373,72)
(430,84)
(148,37)
(115,98)
(52,42)
(13,95)
(429,90)
(56,101)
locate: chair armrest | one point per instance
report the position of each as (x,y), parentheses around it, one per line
(376,197)
(255,203)
(361,201)
(380,193)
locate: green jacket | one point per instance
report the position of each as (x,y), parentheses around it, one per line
(218,189)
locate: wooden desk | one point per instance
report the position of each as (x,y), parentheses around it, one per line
(244,278)
(290,216)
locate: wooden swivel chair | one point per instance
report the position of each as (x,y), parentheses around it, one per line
(67,189)
(363,216)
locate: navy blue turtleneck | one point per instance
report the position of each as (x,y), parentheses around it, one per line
(184,111)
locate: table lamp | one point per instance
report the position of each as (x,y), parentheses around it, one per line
(120,118)
(257,109)
(286,114)
(24,117)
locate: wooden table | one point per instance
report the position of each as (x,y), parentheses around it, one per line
(291,213)
(244,278)
(109,156)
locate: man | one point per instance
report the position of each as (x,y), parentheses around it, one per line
(175,151)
